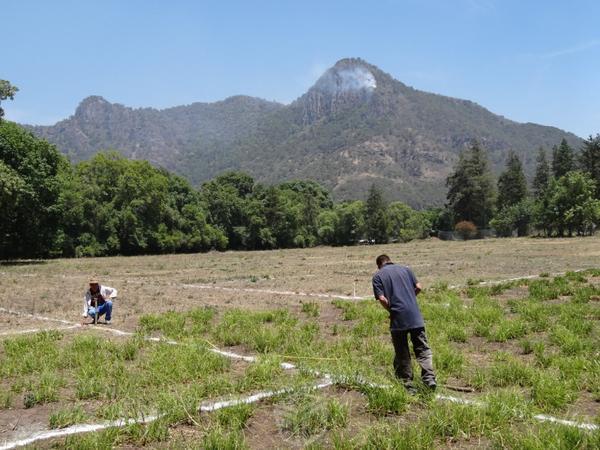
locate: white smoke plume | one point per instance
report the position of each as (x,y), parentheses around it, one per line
(347,79)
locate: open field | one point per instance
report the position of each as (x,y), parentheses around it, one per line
(521,352)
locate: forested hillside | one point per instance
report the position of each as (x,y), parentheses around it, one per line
(111,205)
(357,125)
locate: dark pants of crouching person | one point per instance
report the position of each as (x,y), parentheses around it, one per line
(402,363)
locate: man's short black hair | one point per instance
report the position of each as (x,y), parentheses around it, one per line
(382,259)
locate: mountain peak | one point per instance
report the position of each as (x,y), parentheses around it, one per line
(346,85)
(93,100)
(347,75)
(92,107)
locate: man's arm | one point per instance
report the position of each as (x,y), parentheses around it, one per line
(378,292)
(415,282)
(384,302)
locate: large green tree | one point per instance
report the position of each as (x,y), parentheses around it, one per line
(471,194)
(7,91)
(350,222)
(589,160)
(512,185)
(130,207)
(407,224)
(229,201)
(563,159)
(542,174)
(376,218)
(30,187)
(569,206)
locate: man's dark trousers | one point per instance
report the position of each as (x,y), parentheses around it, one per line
(402,365)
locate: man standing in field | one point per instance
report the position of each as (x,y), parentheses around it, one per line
(98,301)
(396,288)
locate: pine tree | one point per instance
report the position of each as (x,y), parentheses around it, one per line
(562,159)
(542,174)
(471,195)
(377,223)
(589,160)
(512,185)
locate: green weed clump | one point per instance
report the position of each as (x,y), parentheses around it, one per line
(167,364)
(543,290)
(178,325)
(311,309)
(102,440)
(261,373)
(388,436)
(313,415)
(447,360)
(578,318)
(67,417)
(387,400)
(509,371)
(586,293)
(526,345)
(543,358)
(5,399)
(219,439)
(234,417)
(31,354)
(485,313)
(171,324)
(264,331)
(544,437)
(350,310)
(551,393)
(506,406)
(508,329)
(568,342)
(44,388)
(451,420)
(456,333)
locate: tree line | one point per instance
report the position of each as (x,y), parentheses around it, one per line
(110,205)
(564,198)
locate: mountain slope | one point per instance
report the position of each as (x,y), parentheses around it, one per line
(357,125)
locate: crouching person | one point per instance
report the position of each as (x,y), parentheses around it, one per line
(98,301)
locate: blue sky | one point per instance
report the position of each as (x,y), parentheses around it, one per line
(531,61)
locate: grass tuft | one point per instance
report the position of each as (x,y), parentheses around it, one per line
(313,415)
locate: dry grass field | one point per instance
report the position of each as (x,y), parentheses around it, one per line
(522,352)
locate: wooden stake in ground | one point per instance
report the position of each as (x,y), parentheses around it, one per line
(95,310)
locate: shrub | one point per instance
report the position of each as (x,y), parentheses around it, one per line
(466,229)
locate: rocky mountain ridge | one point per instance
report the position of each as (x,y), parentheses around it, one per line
(355,126)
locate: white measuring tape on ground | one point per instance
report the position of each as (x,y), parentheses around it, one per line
(35,316)
(269,291)
(205,407)
(508,280)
